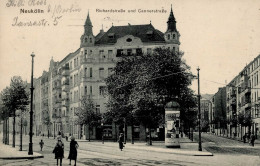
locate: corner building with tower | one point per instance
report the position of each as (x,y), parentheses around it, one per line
(59,90)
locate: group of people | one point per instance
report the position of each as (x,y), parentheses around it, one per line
(59,150)
(250,138)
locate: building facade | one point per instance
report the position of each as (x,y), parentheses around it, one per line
(218,112)
(205,107)
(243,107)
(59,90)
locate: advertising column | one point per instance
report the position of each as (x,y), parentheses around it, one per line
(172,125)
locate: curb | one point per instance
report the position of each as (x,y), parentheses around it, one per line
(22,157)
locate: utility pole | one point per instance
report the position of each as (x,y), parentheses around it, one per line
(198,69)
(30,152)
(124,131)
(21,132)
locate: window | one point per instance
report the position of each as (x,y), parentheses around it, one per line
(102,91)
(110,54)
(119,53)
(101,72)
(101,52)
(173,36)
(169,36)
(129,52)
(86,52)
(173,49)
(86,90)
(129,40)
(90,72)
(110,71)
(90,52)
(149,50)
(86,39)
(98,109)
(111,35)
(139,51)
(90,91)
(90,40)
(85,72)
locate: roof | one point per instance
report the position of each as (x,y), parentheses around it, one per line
(147,33)
(68,56)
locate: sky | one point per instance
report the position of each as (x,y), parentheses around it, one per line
(218,36)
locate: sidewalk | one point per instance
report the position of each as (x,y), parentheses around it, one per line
(7,152)
(257,141)
(187,147)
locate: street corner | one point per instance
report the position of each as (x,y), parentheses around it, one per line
(9,153)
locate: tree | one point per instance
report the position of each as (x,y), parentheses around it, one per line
(15,98)
(141,85)
(47,122)
(87,114)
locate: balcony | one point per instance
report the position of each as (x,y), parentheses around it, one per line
(233,101)
(87,79)
(65,102)
(65,72)
(87,60)
(65,87)
(233,94)
(56,89)
(65,118)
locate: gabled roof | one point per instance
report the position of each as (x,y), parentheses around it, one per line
(141,31)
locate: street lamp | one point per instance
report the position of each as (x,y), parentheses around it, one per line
(102,128)
(31,112)
(198,69)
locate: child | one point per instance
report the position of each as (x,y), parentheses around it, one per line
(59,151)
(41,144)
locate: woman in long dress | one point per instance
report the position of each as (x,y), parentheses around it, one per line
(73,150)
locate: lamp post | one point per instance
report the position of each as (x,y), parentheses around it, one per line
(102,127)
(198,69)
(31,112)
(54,129)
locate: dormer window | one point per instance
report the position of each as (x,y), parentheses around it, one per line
(111,35)
(149,33)
(129,40)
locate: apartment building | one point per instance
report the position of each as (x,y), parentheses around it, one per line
(59,90)
(243,98)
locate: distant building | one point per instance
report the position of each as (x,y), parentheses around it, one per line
(205,107)
(218,116)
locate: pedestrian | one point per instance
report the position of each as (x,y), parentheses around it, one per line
(73,150)
(244,138)
(120,141)
(248,137)
(59,150)
(41,144)
(252,139)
